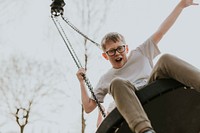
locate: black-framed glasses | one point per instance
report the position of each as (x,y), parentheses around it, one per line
(119,49)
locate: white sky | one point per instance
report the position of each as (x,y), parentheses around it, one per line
(26,28)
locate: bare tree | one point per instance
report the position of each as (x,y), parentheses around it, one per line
(29,90)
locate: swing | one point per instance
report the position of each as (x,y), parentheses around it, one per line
(170,108)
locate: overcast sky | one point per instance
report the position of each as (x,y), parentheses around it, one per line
(26,28)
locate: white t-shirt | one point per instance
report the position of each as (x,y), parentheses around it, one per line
(136,70)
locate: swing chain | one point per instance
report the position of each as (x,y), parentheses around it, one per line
(76,60)
(75,57)
(81,33)
(95,98)
(64,37)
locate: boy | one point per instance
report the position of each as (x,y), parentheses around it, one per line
(131,73)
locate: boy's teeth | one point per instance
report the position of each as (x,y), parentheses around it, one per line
(118,59)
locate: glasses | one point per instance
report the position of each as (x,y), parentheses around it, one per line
(119,49)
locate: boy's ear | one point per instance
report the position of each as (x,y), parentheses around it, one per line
(127,49)
(105,56)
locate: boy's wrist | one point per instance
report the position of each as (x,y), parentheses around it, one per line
(181,5)
(82,82)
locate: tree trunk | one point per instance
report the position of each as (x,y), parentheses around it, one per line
(21,129)
(83,120)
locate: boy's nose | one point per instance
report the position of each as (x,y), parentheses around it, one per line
(116,52)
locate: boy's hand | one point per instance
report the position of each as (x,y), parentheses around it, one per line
(80,74)
(186,3)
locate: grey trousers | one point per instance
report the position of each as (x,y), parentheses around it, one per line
(128,104)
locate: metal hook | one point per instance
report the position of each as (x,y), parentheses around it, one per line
(57,7)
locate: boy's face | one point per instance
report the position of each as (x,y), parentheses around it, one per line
(116,53)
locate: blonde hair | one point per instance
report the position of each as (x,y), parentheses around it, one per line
(112,36)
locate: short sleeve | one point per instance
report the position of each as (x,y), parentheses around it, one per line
(100,91)
(149,49)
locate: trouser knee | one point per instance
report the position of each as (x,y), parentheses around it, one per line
(166,58)
(115,83)
(119,85)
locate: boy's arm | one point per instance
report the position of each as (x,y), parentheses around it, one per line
(169,21)
(88,104)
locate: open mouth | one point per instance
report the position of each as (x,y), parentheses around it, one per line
(119,59)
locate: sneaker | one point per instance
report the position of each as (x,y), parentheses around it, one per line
(149,131)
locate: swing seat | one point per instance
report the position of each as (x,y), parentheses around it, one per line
(170,108)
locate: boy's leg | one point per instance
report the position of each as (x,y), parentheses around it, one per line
(129,105)
(170,66)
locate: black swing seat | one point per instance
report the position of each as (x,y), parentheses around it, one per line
(170,107)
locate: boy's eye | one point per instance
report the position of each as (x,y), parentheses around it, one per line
(111,51)
(120,48)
